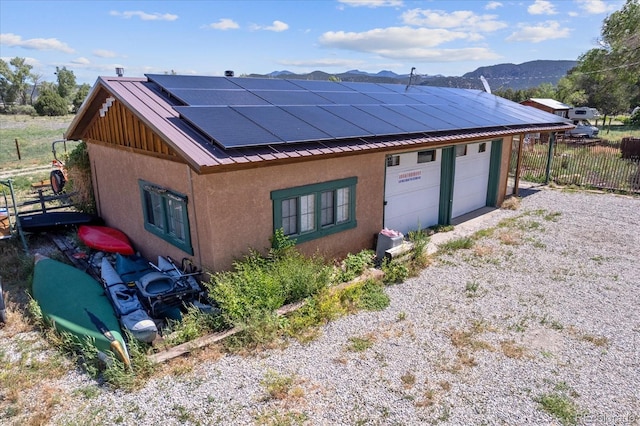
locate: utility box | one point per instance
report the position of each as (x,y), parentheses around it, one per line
(387,239)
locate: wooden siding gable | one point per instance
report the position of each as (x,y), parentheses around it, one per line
(120,128)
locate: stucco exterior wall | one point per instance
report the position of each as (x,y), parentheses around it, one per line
(235,210)
(231,212)
(115,175)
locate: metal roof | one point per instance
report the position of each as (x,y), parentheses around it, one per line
(216,123)
(551,103)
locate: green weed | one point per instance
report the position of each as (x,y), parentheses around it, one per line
(560,406)
(457,244)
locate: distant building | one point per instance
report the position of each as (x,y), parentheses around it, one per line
(549,105)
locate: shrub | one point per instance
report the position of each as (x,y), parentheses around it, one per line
(51,104)
(355,264)
(262,285)
(394,272)
(79,175)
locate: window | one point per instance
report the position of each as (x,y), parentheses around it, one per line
(393,160)
(427,156)
(314,211)
(482,147)
(461,150)
(165,215)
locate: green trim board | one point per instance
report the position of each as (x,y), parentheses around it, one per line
(447,175)
(494,172)
(314,211)
(165,215)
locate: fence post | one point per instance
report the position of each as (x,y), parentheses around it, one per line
(552,139)
(18,149)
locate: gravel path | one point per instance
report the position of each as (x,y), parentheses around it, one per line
(546,307)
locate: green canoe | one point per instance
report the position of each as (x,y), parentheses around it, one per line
(76,303)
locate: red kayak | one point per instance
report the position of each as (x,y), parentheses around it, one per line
(104,238)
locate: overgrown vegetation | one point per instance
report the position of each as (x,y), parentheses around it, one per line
(79,176)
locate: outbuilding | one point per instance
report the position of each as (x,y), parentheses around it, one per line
(210,167)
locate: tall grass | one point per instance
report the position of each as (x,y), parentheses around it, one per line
(34,135)
(599,166)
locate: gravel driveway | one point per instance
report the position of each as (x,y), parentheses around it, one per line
(545,309)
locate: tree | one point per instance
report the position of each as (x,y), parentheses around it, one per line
(51,103)
(66,83)
(80,96)
(610,74)
(13,82)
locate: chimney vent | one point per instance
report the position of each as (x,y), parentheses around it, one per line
(228,73)
(119,71)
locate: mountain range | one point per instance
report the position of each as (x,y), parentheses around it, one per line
(501,76)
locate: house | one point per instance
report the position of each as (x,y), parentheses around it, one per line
(209,167)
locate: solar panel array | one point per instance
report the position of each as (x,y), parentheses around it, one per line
(244,112)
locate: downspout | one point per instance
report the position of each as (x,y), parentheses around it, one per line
(195,216)
(552,139)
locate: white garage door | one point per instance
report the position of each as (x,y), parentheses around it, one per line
(471,178)
(412,190)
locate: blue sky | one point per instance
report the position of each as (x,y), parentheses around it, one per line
(91,38)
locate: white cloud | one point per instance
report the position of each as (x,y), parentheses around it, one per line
(549,30)
(102,53)
(389,38)
(224,24)
(595,7)
(542,7)
(321,63)
(372,3)
(144,15)
(277,26)
(461,19)
(406,43)
(13,40)
(81,61)
(492,5)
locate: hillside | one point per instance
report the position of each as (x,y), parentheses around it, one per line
(501,76)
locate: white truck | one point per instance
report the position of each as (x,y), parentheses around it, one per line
(580,117)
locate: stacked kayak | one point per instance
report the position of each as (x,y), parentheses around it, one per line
(105,238)
(75,303)
(127,305)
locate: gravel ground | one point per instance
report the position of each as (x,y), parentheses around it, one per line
(546,306)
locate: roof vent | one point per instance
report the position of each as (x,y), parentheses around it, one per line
(119,71)
(228,73)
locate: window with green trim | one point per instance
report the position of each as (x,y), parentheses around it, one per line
(314,211)
(165,215)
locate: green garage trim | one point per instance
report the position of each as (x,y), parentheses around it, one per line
(494,173)
(447,174)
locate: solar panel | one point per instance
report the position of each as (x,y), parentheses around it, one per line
(449,121)
(205,97)
(393,98)
(281,123)
(406,124)
(368,87)
(168,82)
(291,97)
(373,125)
(227,127)
(251,112)
(322,86)
(348,98)
(265,84)
(329,123)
